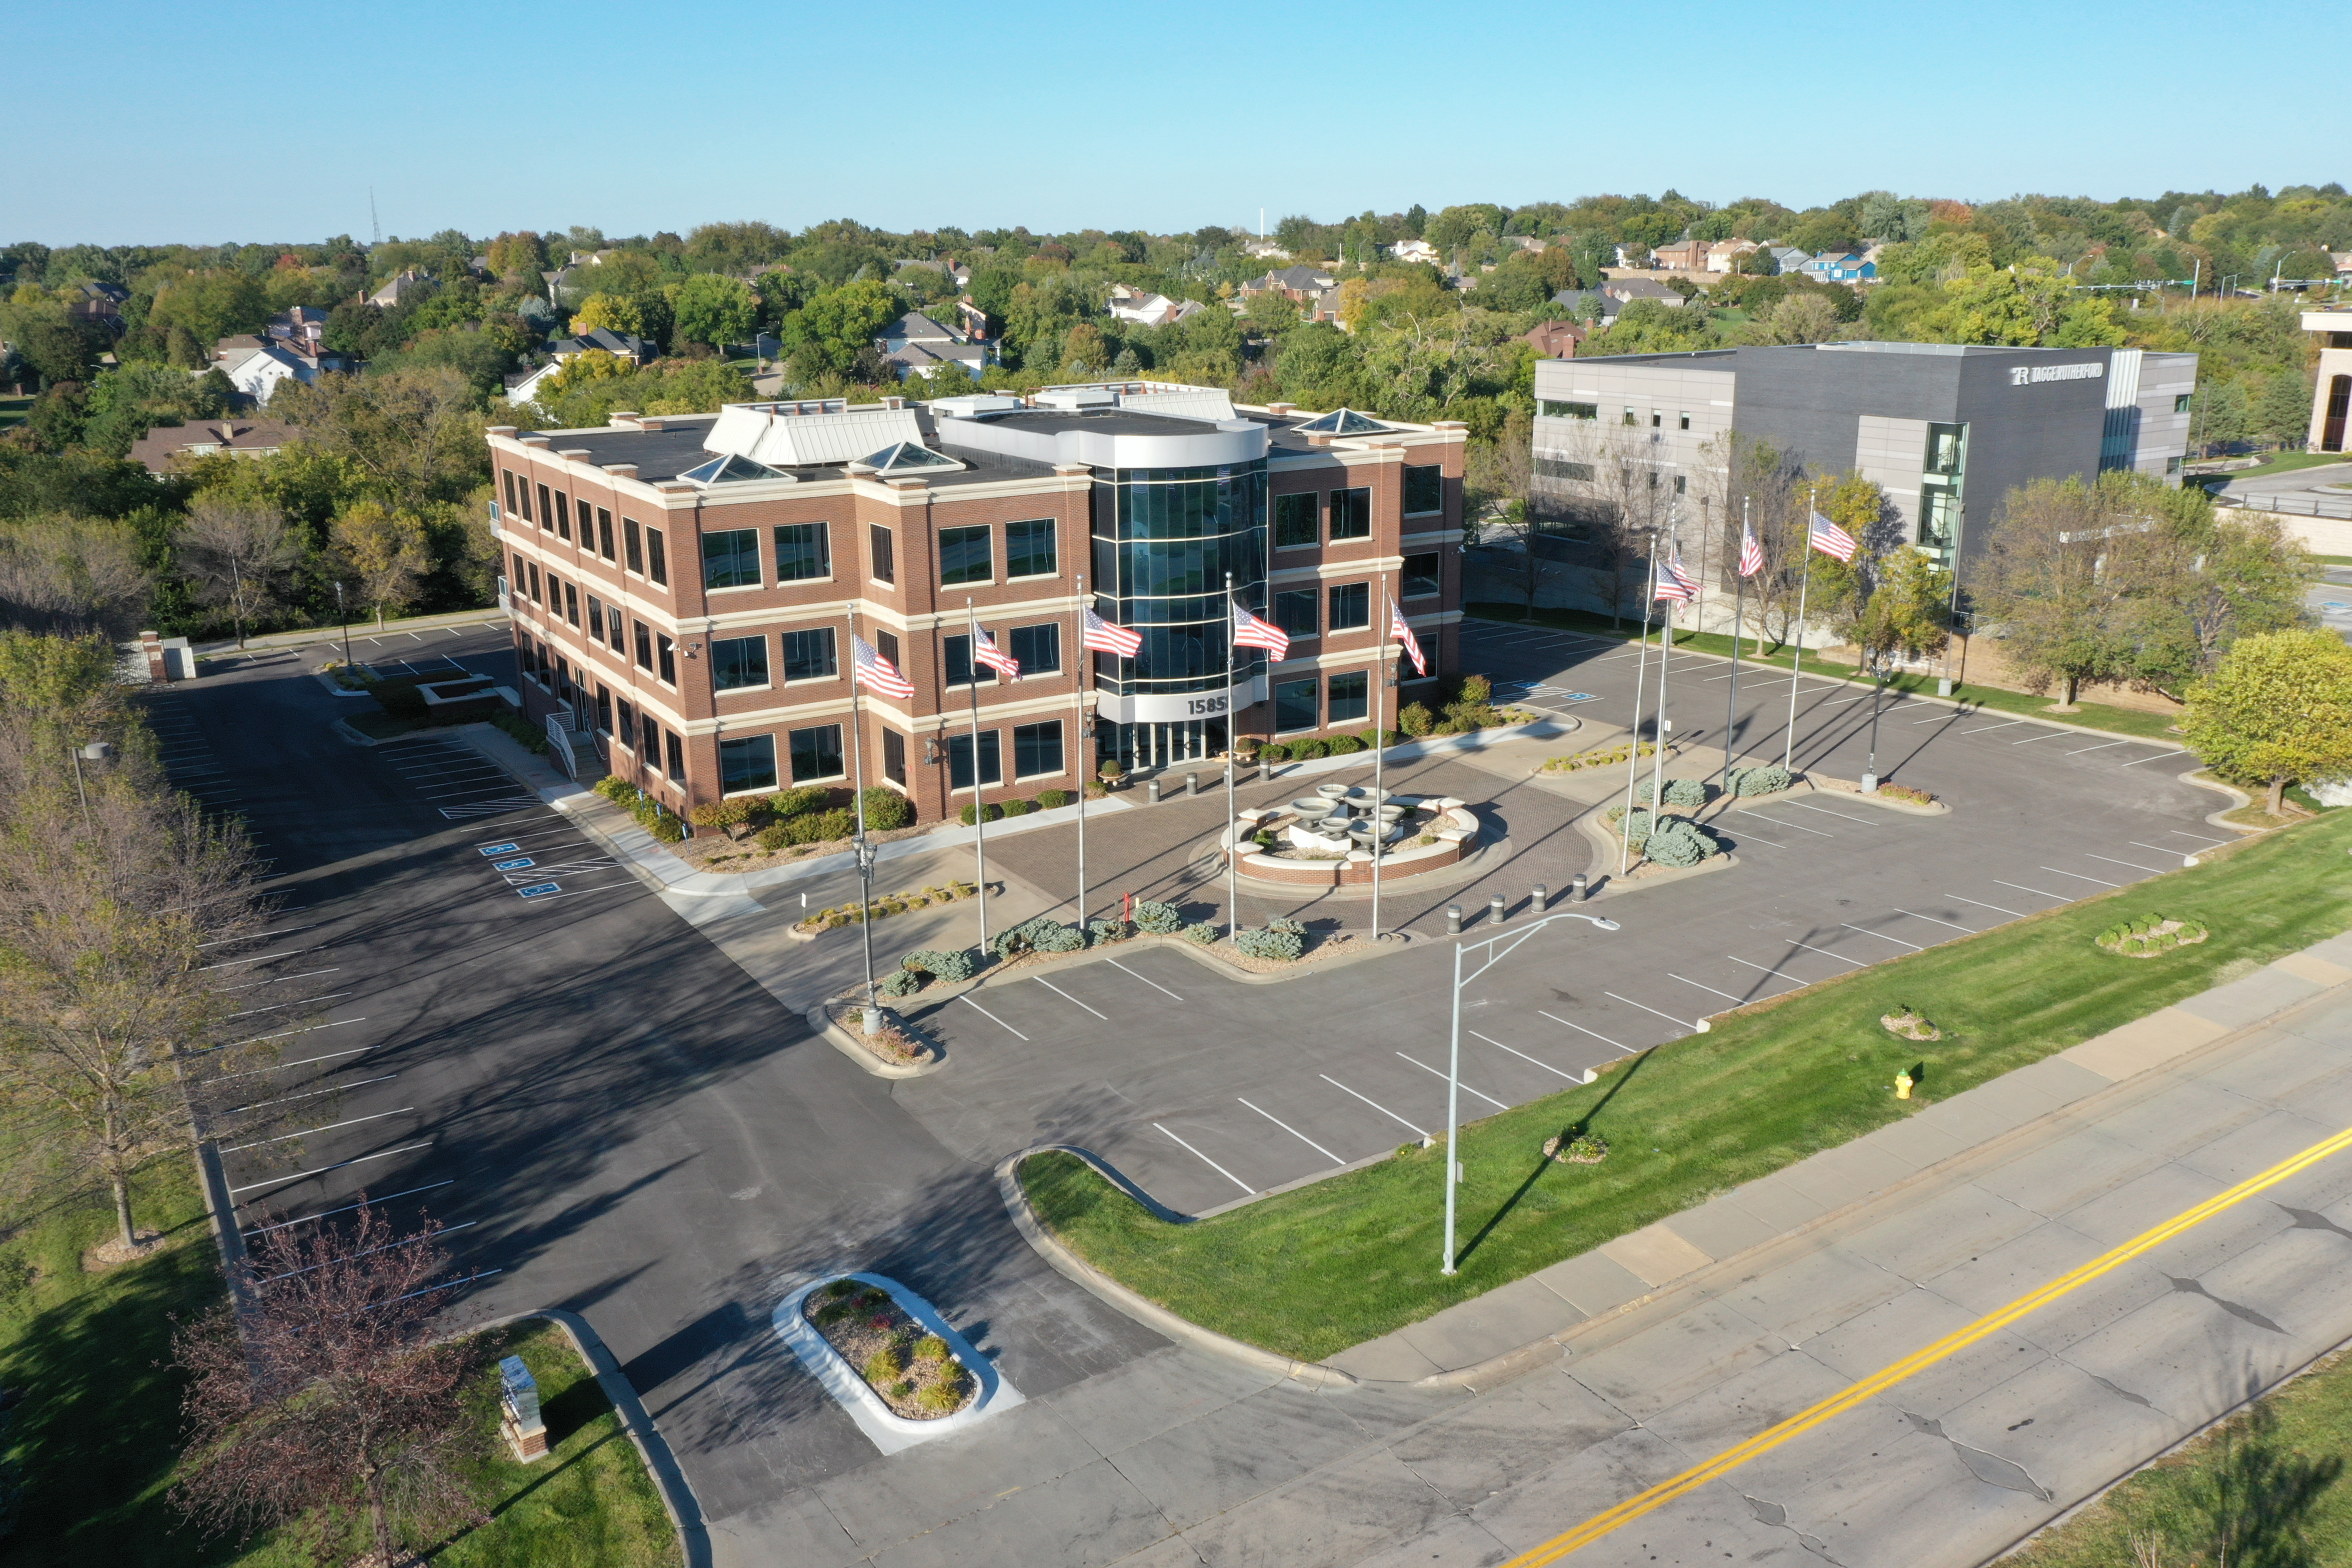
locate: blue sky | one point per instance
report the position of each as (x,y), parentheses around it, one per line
(262,121)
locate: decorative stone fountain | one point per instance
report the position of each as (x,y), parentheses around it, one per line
(1329,837)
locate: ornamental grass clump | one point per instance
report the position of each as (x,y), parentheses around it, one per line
(2149,935)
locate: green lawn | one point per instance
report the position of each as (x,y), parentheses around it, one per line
(1310,1272)
(2266,1487)
(2279,463)
(2092,715)
(98,1430)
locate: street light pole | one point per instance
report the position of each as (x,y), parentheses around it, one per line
(96,751)
(345,616)
(1453,1060)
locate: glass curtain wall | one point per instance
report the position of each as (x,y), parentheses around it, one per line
(1165,539)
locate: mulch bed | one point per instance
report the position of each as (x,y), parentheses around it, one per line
(913,1370)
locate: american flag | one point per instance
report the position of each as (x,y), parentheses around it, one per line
(869,668)
(1831,539)
(1104,637)
(1402,633)
(985,651)
(1251,632)
(1673,581)
(1751,555)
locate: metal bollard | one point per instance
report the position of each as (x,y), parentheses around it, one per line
(1494,909)
(1265,772)
(1153,797)
(1542,897)
(1577,891)
(1192,784)
(1453,920)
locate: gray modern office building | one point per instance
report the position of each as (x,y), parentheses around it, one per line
(1946,430)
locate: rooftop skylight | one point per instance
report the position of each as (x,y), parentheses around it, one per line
(906,456)
(1342,422)
(732,469)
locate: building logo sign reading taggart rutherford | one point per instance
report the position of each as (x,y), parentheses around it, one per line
(2027,375)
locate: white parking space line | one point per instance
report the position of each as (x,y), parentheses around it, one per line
(1843,700)
(2101,747)
(1745,837)
(1073,1001)
(2159,757)
(262,958)
(2111,861)
(1938,718)
(1465,1088)
(2017,914)
(313,1093)
(1736,1001)
(282,1006)
(1646,1007)
(1991,728)
(301,1062)
(322,1170)
(2023,889)
(1933,921)
(1629,1051)
(1825,811)
(1211,1164)
(2080,877)
(2176,833)
(305,1219)
(403,1241)
(1884,937)
(278,980)
(2159,849)
(1825,953)
(1770,970)
(991,1017)
(1294,1132)
(330,1127)
(1367,1100)
(2030,739)
(1816,832)
(1573,1077)
(1115,963)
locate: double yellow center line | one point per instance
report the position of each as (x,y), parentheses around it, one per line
(1879,1382)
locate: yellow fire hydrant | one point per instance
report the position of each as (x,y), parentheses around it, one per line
(1903,1081)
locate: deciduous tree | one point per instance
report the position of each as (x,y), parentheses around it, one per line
(238,558)
(2278,711)
(715,310)
(383,550)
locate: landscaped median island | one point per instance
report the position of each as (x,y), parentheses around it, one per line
(1309,1272)
(913,1371)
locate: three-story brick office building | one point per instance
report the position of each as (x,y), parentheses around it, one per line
(684,588)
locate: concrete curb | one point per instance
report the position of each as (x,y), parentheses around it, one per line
(677,1496)
(833,1034)
(1139,1307)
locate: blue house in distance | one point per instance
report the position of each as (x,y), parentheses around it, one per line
(1841,267)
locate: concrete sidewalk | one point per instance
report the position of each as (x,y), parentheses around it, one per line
(1471,1340)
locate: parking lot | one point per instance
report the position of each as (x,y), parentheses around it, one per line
(1206,1090)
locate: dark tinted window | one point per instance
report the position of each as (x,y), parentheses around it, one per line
(1294,704)
(1295,612)
(808,654)
(1038,647)
(1294,520)
(1351,513)
(1029,549)
(964,555)
(991,766)
(803,551)
(1037,749)
(1351,606)
(731,558)
(1421,575)
(746,764)
(886,554)
(816,754)
(1349,699)
(739,661)
(1424,487)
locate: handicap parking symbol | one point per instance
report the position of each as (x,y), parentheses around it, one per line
(499,848)
(540,889)
(516,864)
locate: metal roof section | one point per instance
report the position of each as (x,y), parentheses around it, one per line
(1343,421)
(783,435)
(1188,403)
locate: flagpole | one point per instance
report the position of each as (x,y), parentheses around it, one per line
(1665,654)
(863,850)
(1634,743)
(1739,622)
(1232,822)
(1084,668)
(978,792)
(1797,662)
(1453,1103)
(1379,744)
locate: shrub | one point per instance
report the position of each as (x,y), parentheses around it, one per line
(1905,792)
(883,1367)
(1111,771)
(521,730)
(1771,778)
(789,803)
(994,812)
(1375,740)
(886,808)
(1283,923)
(1679,843)
(775,838)
(1679,791)
(1281,946)
(930,1348)
(941,1398)
(728,814)
(902,983)
(399,697)
(1053,799)
(1158,919)
(1416,720)
(1477,690)
(1306,749)
(1204,933)
(949,963)
(1029,932)
(1098,791)
(1019,807)
(1057,938)
(1341,745)
(1273,751)
(819,827)
(1101,932)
